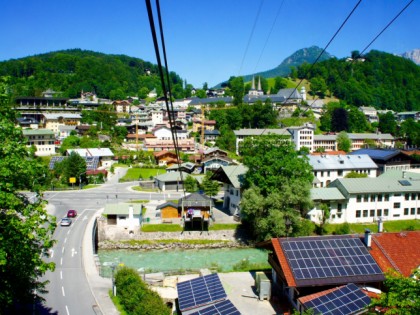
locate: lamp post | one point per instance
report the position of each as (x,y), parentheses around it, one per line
(114,288)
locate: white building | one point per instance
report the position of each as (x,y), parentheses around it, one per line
(54,121)
(42,139)
(164,133)
(395,195)
(327,168)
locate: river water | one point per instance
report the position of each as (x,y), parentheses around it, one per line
(173,261)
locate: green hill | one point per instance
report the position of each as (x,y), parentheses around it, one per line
(71,71)
(381,80)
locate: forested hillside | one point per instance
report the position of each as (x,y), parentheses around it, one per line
(71,71)
(382,80)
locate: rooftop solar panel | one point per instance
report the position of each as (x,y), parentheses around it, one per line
(328,258)
(343,301)
(91,161)
(222,308)
(200,292)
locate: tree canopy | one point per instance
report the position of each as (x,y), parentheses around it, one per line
(25,226)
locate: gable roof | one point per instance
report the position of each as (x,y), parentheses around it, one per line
(290,93)
(167,204)
(326,193)
(100,152)
(231,174)
(398,251)
(339,162)
(122,208)
(325,260)
(196,199)
(172,176)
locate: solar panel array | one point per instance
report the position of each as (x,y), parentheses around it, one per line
(91,161)
(328,257)
(344,301)
(200,291)
(222,308)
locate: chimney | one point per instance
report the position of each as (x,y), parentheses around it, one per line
(380,225)
(403,174)
(368,238)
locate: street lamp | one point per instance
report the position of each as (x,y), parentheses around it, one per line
(114,288)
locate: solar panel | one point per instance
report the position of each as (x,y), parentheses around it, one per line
(404,182)
(91,161)
(329,257)
(222,308)
(343,301)
(200,291)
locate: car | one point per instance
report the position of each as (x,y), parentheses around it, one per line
(71,214)
(65,222)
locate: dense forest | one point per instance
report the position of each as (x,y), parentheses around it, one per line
(381,80)
(71,71)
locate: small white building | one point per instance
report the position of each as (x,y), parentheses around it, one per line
(124,215)
(164,133)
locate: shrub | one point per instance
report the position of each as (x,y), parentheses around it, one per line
(134,295)
(343,229)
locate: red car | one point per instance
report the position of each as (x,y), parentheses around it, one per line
(71,214)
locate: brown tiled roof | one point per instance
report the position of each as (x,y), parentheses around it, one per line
(399,251)
(140,137)
(283,263)
(163,153)
(329,153)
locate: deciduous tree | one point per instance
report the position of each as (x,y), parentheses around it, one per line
(343,141)
(25,226)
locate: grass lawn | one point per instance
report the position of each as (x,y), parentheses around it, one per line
(389,226)
(145,173)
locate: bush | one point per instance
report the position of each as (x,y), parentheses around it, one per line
(134,295)
(343,229)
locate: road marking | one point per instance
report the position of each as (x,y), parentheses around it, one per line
(85,218)
(61,274)
(68,232)
(62,250)
(67,310)
(62,289)
(52,252)
(61,261)
(73,252)
(65,240)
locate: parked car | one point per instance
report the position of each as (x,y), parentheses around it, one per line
(65,222)
(71,214)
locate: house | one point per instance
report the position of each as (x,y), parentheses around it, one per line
(327,168)
(387,159)
(242,134)
(196,209)
(105,155)
(232,178)
(211,135)
(42,139)
(370,113)
(213,163)
(64,131)
(391,196)
(305,266)
(186,167)
(330,196)
(358,140)
(27,122)
(198,123)
(408,115)
(123,215)
(164,133)
(215,151)
(184,145)
(165,157)
(397,251)
(171,181)
(53,121)
(168,211)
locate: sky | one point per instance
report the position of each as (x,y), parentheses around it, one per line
(207,41)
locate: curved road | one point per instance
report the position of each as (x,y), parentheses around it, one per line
(68,291)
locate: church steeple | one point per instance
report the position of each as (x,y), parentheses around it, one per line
(253,83)
(259,84)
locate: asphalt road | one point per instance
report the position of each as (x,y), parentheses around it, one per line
(68,291)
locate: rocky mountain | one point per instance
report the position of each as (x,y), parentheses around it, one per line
(413,55)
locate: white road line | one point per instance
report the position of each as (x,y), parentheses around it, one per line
(68,232)
(52,253)
(67,310)
(62,289)
(65,240)
(62,250)
(61,274)
(61,261)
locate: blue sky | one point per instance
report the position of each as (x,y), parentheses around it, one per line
(206,41)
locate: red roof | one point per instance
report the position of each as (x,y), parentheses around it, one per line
(329,153)
(399,251)
(283,263)
(313,296)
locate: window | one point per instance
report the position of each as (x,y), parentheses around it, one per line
(386,212)
(372,198)
(397,195)
(418,210)
(380,197)
(328,173)
(359,213)
(340,173)
(407,196)
(397,205)
(359,198)
(405,211)
(366,198)
(413,211)
(386,197)
(379,212)
(365,213)
(413,196)
(372,213)
(315,173)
